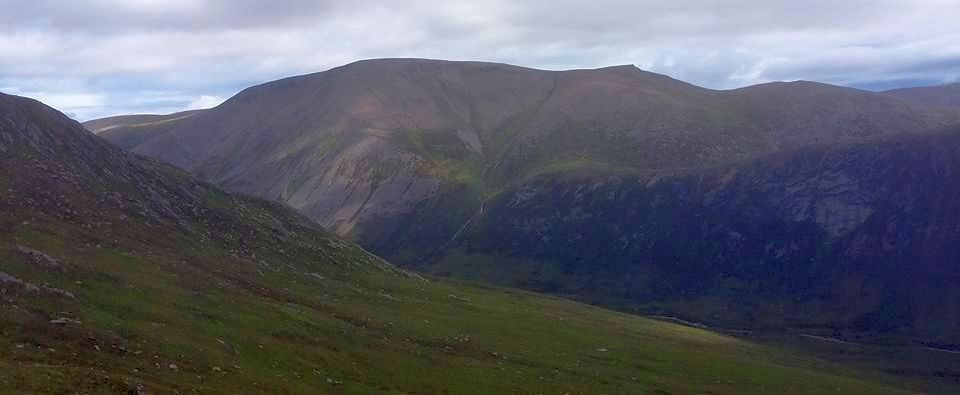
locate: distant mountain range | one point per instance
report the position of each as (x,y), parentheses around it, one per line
(781,205)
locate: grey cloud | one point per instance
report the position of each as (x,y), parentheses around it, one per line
(102,16)
(165,55)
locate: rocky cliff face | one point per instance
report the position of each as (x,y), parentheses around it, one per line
(853,238)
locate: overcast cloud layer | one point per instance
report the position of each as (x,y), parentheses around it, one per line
(92,58)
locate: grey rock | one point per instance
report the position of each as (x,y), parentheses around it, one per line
(40,258)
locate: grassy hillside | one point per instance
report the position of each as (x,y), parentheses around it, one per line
(168,315)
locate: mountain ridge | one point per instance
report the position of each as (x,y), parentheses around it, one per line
(334,119)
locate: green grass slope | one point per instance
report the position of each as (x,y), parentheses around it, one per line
(155,316)
(122,275)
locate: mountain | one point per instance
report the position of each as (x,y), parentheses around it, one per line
(363,148)
(429,163)
(129,131)
(120,274)
(946,96)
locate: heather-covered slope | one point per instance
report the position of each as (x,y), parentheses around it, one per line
(119,274)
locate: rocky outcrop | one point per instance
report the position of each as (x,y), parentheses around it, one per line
(10,284)
(40,258)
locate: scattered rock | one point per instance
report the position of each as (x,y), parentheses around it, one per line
(390,297)
(64,321)
(59,292)
(40,258)
(9,280)
(6,279)
(173,367)
(457,298)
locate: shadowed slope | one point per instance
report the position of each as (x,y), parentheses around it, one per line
(854,239)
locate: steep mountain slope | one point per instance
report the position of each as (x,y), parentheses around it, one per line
(400,153)
(120,274)
(129,131)
(947,96)
(856,239)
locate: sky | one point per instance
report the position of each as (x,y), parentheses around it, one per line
(95,58)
